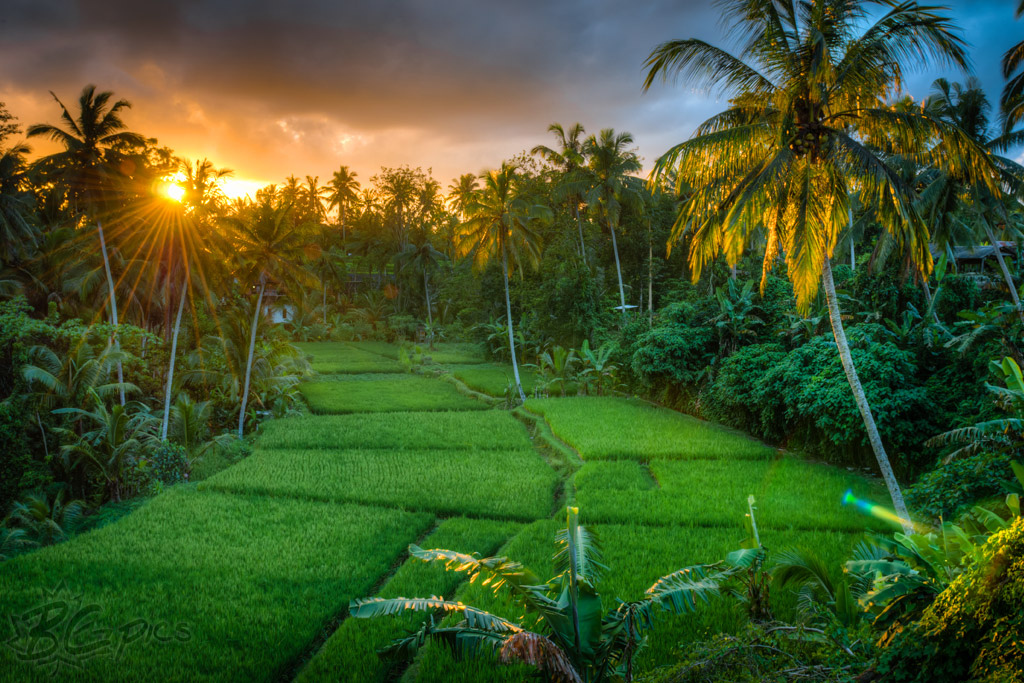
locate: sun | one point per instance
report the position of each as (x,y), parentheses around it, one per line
(174,192)
(171,188)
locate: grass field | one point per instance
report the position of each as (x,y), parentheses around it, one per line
(498,484)
(493,378)
(344,358)
(606,428)
(398,394)
(486,430)
(789,493)
(257,563)
(443,352)
(351,652)
(244,584)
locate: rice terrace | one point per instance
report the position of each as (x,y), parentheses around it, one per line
(749,408)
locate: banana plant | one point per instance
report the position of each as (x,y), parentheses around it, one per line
(565,632)
(557,367)
(598,370)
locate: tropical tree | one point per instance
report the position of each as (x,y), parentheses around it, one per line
(312,197)
(424,258)
(188,234)
(500,223)
(782,159)
(89,167)
(1012,101)
(19,235)
(569,159)
(269,248)
(956,203)
(460,193)
(609,161)
(344,194)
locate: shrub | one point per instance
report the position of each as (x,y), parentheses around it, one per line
(169,464)
(960,483)
(973,630)
(734,396)
(675,352)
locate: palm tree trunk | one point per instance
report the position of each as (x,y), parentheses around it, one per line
(929,302)
(618,269)
(862,402)
(650,278)
(113,310)
(170,366)
(325,301)
(579,224)
(42,433)
(853,258)
(252,351)
(430,316)
(1005,270)
(511,335)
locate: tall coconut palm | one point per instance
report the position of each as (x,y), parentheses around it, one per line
(312,197)
(967,107)
(569,159)
(460,193)
(344,194)
(19,234)
(188,234)
(1012,101)
(610,159)
(269,247)
(500,223)
(424,258)
(782,156)
(89,166)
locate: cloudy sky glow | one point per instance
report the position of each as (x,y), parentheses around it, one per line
(272,88)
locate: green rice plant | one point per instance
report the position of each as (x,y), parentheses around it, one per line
(635,555)
(486,430)
(346,358)
(450,352)
(493,378)
(194,586)
(608,428)
(498,484)
(791,493)
(399,394)
(350,654)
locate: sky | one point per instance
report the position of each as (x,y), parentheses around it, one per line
(271,88)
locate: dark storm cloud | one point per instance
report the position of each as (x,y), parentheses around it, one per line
(456,84)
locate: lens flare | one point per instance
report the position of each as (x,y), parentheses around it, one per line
(174,192)
(874,510)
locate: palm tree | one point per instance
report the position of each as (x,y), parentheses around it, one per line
(344,193)
(313,195)
(570,160)
(460,193)
(18,232)
(1012,101)
(609,162)
(424,258)
(269,247)
(190,232)
(500,223)
(89,165)
(782,156)
(967,107)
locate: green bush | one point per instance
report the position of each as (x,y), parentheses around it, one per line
(974,629)
(168,463)
(734,396)
(962,482)
(678,350)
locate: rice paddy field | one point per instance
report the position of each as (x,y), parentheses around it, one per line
(247,576)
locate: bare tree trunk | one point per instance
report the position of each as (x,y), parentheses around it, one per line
(42,433)
(430,316)
(511,334)
(862,402)
(579,224)
(853,258)
(618,269)
(252,351)
(113,310)
(1005,270)
(170,366)
(650,277)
